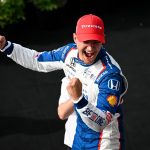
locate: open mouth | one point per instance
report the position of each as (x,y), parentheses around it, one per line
(89,54)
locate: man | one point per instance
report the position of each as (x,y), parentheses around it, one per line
(96,85)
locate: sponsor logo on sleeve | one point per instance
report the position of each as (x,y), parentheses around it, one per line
(94,116)
(101,75)
(114,84)
(72,62)
(112,100)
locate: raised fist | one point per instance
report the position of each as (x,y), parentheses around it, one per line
(75,88)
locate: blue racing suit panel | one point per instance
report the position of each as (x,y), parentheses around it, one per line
(55,55)
(110,92)
(85,138)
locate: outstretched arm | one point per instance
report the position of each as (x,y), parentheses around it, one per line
(39,61)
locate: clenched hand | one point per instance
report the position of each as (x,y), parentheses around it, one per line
(75,88)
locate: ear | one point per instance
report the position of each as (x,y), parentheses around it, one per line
(75,37)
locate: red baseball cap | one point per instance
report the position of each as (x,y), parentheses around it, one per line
(90,27)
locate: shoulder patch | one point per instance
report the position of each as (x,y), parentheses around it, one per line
(114,84)
(112,100)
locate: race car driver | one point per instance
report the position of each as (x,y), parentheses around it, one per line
(96,82)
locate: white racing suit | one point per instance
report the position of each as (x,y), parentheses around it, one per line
(103,87)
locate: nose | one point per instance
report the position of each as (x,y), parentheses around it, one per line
(90,46)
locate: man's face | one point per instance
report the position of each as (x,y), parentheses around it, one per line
(88,50)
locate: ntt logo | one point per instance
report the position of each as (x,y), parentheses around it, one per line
(91,26)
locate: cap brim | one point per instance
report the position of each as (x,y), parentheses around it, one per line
(86,37)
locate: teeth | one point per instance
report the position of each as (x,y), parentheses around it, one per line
(88,52)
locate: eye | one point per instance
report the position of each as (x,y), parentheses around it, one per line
(86,42)
(96,42)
